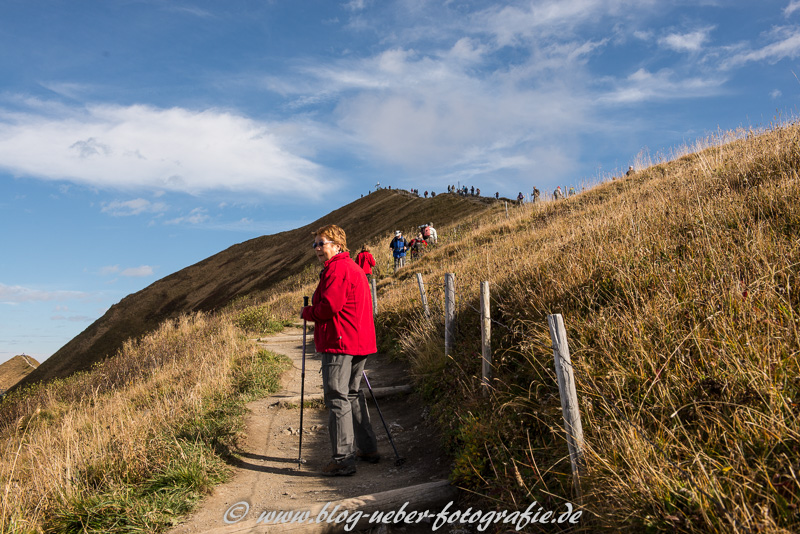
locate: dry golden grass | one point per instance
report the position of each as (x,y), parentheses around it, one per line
(97,449)
(679,289)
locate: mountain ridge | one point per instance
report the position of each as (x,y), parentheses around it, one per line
(15,369)
(245,268)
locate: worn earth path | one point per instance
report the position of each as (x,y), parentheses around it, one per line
(267,477)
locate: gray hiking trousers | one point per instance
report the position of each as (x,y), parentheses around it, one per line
(348,416)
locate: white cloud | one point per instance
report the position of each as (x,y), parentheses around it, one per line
(109,270)
(786,46)
(144,270)
(775,93)
(133,207)
(514,24)
(73,318)
(196,216)
(686,42)
(643,85)
(19,294)
(793,6)
(355,5)
(143,147)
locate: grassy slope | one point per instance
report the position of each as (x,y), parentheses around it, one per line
(138,440)
(15,370)
(679,289)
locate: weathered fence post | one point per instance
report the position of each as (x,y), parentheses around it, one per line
(506,203)
(449,311)
(569,398)
(423,296)
(486,338)
(374,296)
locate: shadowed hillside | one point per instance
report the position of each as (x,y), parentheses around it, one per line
(242,269)
(15,370)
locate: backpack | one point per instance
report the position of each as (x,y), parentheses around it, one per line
(398,245)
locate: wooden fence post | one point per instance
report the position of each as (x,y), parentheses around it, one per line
(486,339)
(423,296)
(449,311)
(374,296)
(569,398)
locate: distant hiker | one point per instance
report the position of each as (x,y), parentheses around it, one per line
(535,194)
(557,194)
(472,191)
(417,246)
(630,171)
(399,247)
(344,334)
(571,191)
(426,194)
(365,260)
(478,192)
(433,194)
(497,195)
(520,198)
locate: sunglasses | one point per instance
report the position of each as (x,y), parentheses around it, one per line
(317,244)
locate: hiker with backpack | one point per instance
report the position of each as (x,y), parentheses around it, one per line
(432,236)
(365,260)
(399,247)
(417,246)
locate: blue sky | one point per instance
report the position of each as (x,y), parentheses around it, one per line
(138,137)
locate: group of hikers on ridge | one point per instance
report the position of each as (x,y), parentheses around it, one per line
(399,245)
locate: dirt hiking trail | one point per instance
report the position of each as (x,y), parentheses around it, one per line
(267,477)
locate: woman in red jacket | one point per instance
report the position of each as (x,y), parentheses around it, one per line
(365,260)
(344,334)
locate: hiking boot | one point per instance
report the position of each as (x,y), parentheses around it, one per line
(334,468)
(371,457)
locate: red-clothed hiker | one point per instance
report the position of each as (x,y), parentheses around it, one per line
(365,260)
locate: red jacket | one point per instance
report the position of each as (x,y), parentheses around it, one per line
(366,261)
(342,309)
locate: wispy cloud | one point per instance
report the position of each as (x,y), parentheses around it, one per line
(686,42)
(793,6)
(110,270)
(644,86)
(73,318)
(786,45)
(143,147)
(19,294)
(355,5)
(133,207)
(138,272)
(196,216)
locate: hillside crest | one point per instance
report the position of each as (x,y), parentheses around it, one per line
(245,268)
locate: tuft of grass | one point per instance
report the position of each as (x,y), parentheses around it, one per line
(258,319)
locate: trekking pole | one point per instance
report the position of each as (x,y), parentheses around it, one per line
(398,460)
(302,390)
